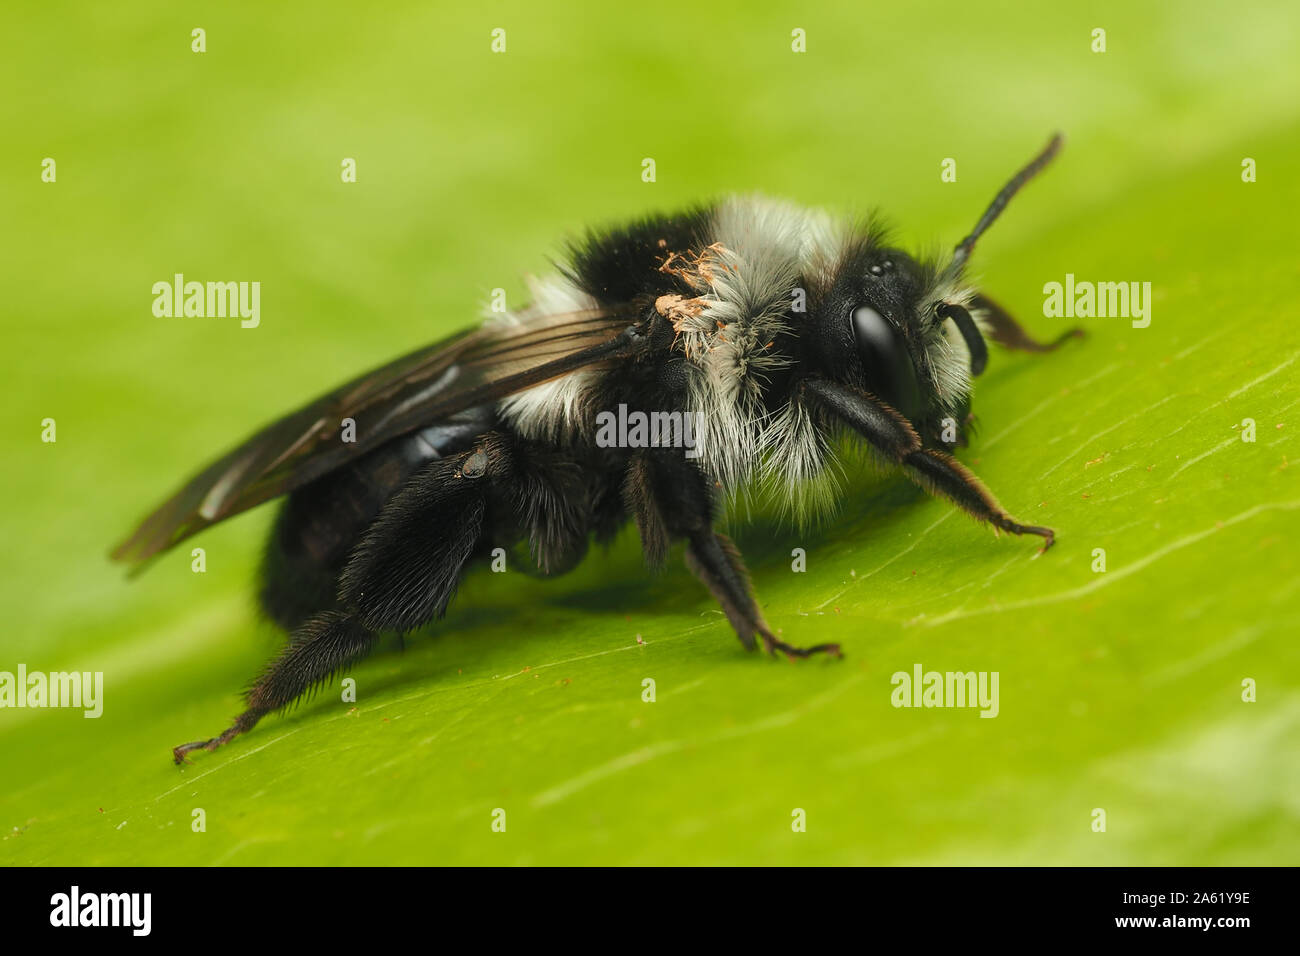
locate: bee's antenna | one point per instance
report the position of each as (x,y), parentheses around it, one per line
(963,250)
(970,333)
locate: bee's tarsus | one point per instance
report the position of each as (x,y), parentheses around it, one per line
(1007,523)
(244,722)
(793,653)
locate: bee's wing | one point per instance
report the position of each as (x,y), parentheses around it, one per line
(472,369)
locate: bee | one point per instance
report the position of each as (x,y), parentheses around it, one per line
(784,330)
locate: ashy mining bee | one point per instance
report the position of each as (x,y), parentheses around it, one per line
(777,326)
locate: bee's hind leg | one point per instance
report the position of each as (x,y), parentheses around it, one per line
(324,644)
(401,575)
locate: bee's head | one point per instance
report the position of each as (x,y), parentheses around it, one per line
(900,327)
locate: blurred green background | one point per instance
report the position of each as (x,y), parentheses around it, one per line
(1119,691)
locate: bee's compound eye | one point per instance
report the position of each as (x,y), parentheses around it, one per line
(871,328)
(890,374)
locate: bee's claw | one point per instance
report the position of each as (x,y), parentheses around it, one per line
(245,721)
(772,644)
(178,753)
(1007,523)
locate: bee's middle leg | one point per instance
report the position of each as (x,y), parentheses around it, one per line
(715,560)
(670,498)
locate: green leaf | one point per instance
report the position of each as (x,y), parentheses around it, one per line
(1119,690)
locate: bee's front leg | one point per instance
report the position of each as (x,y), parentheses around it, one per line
(935,471)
